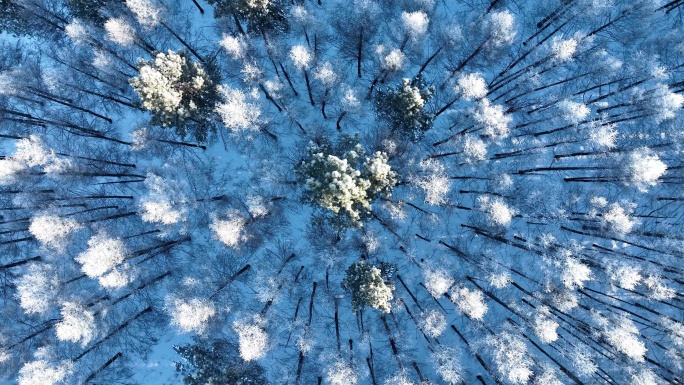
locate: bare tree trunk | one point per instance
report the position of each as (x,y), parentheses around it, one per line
(198,6)
(103,367)
(19,263)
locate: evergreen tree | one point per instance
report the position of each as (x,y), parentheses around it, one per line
(404,107)
(215,363)
(179,93)
(337,179)
(369,285)
(88,9)
(261,16)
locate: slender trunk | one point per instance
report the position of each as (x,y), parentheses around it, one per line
(269,97)
(393,344)
(239,26)
(477,355)
(311,303)
(562,367)
(116,216)
(446,106)
(413,297)
(180,143)
(308,88)
(19,263)
(103,367)
(289,81)
(106,97)
(339,120)
(568,168)
(463,64)
(429,60)
(415,321)
(50,323)
(337,324)
(359,53)
(185,44)
(199,7)
(70,105)
(300,364)
(142,286)
(372,372)
(230,280)
(98,160)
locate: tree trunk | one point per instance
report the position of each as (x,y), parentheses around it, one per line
(19,263)
(103,367)
(230,280)
(185,44)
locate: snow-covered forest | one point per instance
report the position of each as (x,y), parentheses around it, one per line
(384,192)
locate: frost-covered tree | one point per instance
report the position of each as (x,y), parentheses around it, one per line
(105,260)
(469,302)
(434,323)
(643,168)
(52,231)
(37,288)
(120,31)
(492,119)
(437,282)
(337,179)
(253,340)
(497,212)
(44,372)
(404,107)
(623,335)
(178,92)
(511,358)
(368,286)
(239,111)
(447,363)
(340,373)
(77,324)
(190,315)
(471,86)
(230,231)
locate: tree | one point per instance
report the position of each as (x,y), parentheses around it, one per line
(190,315)
(337,180)
(368,286)
(208,362)
(104,260)
(253,340)
(404,107)
(87,9)
(262,16)
(178,92)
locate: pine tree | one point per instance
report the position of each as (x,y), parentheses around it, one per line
(178,92)
(262,16)
(337,179)
(369,286)
(404,107)
(215,362)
